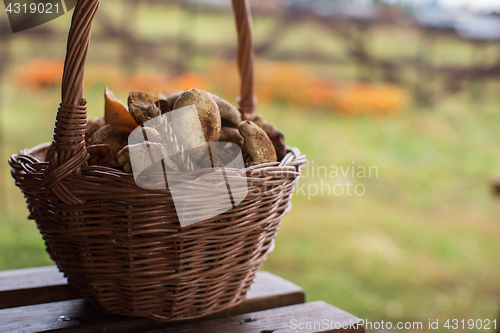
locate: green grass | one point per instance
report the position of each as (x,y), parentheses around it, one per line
(422,243)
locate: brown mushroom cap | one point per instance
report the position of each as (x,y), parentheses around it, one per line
(265,124)
(143,106)
(100,154)
(229,134)
(208,111)
(257,145)
(230,115)
(172,98)
(92,126)
(278,140)
(116,136)
(115,112)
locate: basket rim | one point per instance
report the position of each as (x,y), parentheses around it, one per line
(293,155)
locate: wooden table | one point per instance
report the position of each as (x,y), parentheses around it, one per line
(40,300)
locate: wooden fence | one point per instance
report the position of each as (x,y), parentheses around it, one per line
(352,27)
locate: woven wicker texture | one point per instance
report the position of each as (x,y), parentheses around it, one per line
(122,246)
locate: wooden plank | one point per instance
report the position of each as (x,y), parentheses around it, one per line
(30,286)
(28,278)
(268,291)
(78,317)
(304,318)
(46,284)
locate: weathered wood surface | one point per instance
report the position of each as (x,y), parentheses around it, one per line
(308,317)
(78,316)
(34,286)
(39,299)
(46,284)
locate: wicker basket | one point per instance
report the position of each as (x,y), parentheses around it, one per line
(122,246)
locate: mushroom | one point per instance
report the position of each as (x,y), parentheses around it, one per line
(229,134)
(208,112)
(115,112)
(143,107)
(266,125)
(92,126)
(116,136)
(145,156)
(278,140)
(230,115)
(99,154)
(257,146)
(172,98)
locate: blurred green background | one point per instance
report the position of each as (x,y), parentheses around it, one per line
(423,242)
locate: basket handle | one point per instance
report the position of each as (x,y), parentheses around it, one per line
(243,15)
(67,152)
